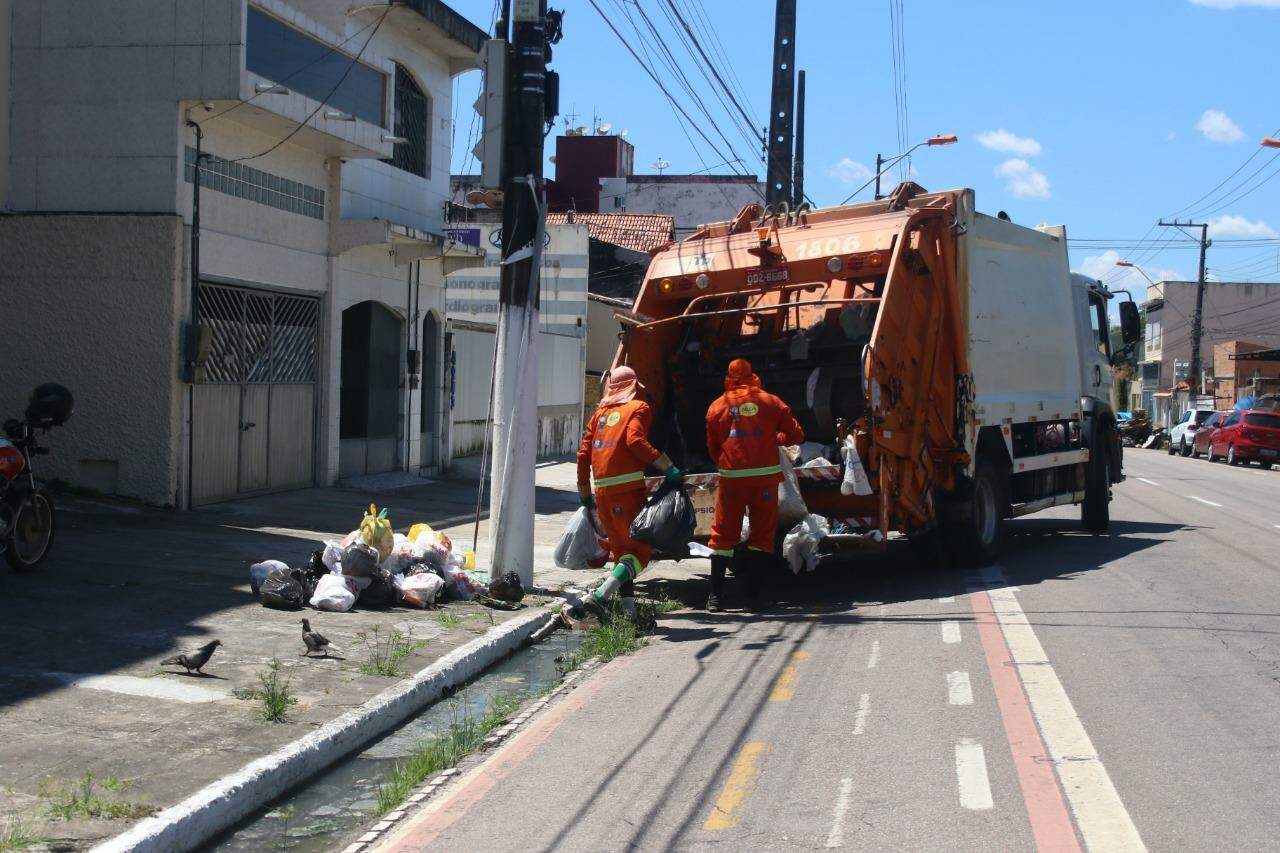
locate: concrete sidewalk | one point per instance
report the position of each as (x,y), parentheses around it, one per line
(81,691)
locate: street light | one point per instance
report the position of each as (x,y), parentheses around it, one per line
(883,163)
(1131,265)
(1270,142)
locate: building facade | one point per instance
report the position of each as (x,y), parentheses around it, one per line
(1248,311)
(310,343)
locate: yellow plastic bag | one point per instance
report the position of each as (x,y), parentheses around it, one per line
(375,531)
(417,530)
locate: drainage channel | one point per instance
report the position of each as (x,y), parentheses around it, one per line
(333,808)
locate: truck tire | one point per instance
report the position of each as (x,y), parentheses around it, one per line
(979,539)
(1095,512)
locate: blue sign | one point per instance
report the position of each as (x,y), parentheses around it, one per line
(465,236)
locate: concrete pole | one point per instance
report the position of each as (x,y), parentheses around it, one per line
(515,405)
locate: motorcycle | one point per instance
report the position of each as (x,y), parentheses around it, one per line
(26,510)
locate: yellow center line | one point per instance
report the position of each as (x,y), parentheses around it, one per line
(785,687)
(742,780)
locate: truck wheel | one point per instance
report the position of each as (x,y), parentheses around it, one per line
(978,539)
(1095,512)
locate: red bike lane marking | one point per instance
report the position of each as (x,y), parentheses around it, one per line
(423,829)
(1051,823)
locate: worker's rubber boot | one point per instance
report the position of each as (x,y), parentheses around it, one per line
(624,572)
(756,568)
(719,566)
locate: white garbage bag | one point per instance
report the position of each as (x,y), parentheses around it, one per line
(579,545)
(258,572)
(855,476)
(791,508)
(817,462)
(332,554)
(420,590)
(335,593)
(810,451)
(800,546)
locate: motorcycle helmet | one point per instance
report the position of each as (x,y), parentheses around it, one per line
(50,405)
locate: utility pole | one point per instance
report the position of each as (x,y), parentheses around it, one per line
(879,166)
(797,183)
(515,405)
(1197,319)
(778,186)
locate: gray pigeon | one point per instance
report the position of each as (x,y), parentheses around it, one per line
(193,660)
(316,642)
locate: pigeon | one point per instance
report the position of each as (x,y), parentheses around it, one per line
(193,660)
(315,642)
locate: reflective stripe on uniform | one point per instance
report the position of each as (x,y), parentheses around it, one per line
(751,472)
(633,477)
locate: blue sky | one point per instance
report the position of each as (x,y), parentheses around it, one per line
(1103,116)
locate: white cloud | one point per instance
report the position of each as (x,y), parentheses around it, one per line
(1009,143)
(1216,126)
(1237,4)
(850,172)
(1025,181)
(1238,226)
(1104,267)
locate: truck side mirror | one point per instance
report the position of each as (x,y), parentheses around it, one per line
(1130,323)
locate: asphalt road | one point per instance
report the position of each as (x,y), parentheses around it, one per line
(1105,692)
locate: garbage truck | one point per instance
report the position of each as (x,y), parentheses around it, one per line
(952,355)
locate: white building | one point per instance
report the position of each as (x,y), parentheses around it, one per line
(694,200)
(321,255)
(472,309)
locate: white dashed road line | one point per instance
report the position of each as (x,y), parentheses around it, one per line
(1148,482)
(860,719)
(874,657)
(950,631)
(959,691)
(971,773)
(836,838)
(1205,502)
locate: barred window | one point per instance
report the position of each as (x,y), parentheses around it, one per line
(412,122)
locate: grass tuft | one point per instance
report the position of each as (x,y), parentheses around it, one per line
(462,737)
(16,834)
(386,651)
(82,799)
(275,695)
(450,620)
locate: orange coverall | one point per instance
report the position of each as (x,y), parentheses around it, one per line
(616,448)
(745,426)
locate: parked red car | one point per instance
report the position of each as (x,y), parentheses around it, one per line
(1248,436)
(1200,444)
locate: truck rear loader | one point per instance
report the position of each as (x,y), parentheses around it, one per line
(971,368)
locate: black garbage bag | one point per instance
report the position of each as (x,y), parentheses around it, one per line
(667,521)
(417,567)
(381,592)
(284,590)
(359,561)
(315,568)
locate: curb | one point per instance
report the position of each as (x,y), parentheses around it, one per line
(222,803)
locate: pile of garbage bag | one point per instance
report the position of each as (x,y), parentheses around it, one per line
(378,568)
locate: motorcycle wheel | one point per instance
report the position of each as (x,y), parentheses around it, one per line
(32,534)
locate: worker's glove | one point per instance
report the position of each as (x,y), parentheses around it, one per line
(675,476)
(587,500)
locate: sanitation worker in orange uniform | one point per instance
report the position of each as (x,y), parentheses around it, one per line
(616,450)
(745,427)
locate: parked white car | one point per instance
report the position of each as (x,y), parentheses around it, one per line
(1183,435)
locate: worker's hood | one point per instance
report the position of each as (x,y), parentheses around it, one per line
(622,387)
(740,379)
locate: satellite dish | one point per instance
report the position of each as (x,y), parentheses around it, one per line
(582,129)
(660,164)
(624,134)
(604,128)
